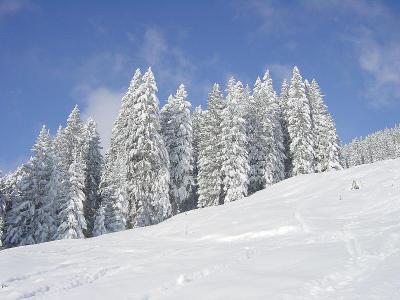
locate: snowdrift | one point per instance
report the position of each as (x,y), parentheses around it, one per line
(308,237)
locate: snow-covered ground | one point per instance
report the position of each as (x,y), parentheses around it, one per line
(309,237)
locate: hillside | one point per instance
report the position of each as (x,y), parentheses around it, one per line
(308,237)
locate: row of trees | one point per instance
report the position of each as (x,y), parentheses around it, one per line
(162,162)
(381,145)
(55,194)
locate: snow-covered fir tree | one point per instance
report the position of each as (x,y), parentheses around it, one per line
(209,176)
(264,133)
(197,123)
(233,144)
(112,199)
(381,145)
(41,166)
(2,206)
(99,224)
(326,142)
(31,217)
(70,169)
(147,159)
(177,133)
(93,163)
(283,103)
(299,124)
(19,219)
(113,184)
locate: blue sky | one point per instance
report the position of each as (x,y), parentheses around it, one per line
(54,54)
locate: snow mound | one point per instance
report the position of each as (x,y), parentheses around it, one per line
(308,237)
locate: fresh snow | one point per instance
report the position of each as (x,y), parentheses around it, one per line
(307,237)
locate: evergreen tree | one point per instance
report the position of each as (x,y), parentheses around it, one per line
(99,227)
(41,166)
(210,151)
(112,199)
(70,179)
(284,117)
(177,132)
(93,163)
(2,207)
(113,183)
(326,144)
(197,123)
(265,140)
(71,220)
(233,144)
(19,219)
(147,159)
(300,127)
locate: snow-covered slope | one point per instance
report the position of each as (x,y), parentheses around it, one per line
(309,237)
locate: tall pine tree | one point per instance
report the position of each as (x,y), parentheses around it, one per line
(326,142)
(147,159)
(210,151)
(177,132)
(233,144)
(299,127)
(93,164)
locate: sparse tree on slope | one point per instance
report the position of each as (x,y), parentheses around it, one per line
(147,159)
(210,151)
(300,127)
(177,132)
(233,144)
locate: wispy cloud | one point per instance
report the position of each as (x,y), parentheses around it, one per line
(8,7)
(172,65)
(97,87)
(381,61)
(280,72)
(363,23)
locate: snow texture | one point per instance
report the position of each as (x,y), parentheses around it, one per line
(307,237)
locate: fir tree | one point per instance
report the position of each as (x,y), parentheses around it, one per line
(326,144)
(70,179)
(300,127)
(99,227)
(147,159)
(112,199)
(197,123)
(177,132)
(284,117)
(210,151)
(93,163)
(41,166)
(113,184)
(233,144)
(19,219)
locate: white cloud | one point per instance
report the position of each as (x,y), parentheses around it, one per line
(102,104)
(280,72)
(96,77)
(381,61)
